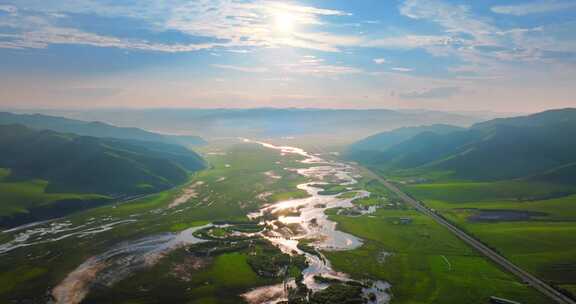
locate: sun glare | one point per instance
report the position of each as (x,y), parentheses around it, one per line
(284,22)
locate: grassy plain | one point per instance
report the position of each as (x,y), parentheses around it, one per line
(544,244)
(18,197)
(423,261)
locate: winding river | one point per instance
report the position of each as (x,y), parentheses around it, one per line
(310,219)
(314,226)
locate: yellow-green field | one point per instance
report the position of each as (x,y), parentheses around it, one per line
(543,244)
(423,261)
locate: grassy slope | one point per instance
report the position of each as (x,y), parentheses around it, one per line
(428,264)
(18,197)
(544,245)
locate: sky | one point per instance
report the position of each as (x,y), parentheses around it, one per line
(495,55)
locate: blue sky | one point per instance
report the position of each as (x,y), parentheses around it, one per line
(506,55)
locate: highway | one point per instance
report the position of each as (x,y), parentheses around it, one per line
(526,277)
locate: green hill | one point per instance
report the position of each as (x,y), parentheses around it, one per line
(535,120)
(47,169)
(95,129)
(368,147)
(565,174)
(501,149)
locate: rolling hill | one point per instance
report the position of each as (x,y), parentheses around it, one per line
(94,129)
(372,145)
(533,146)
(62,170)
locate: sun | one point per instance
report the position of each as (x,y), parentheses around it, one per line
(284,22)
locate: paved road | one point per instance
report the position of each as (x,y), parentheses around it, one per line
(486,251)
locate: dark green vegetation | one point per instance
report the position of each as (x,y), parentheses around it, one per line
(508,182)
(371,146)
(205,273)
(423,261)
(267,261)
(338,294)
(181,277)
(539,147)
(94,129)
(47,174)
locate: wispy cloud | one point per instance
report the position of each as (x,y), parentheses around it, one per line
(477,41)
(321,70)
(313,66)
(534,7)
(10,9)
(455,18)
(42,38)
(244,69)
(379,60)
(232,24)
(434,93)
(411,41)
(402,69)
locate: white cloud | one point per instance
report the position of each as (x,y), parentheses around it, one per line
(454,18)
(402,69)
(230,24)
(10,9)
(477,42)
(244,69)
(412,41)
(250,24)
(316,67)
(379,60)
(42,38)
(534,7)
(433,93)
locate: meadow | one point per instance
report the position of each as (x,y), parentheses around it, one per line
(543,244)
(19,196)
(422,261)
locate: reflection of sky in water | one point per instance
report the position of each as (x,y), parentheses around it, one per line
(316,225)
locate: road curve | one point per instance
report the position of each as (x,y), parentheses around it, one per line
(526,277)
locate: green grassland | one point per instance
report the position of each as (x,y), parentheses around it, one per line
(19,197)
(228,191)
(423,261)
(463,191)
(545,244)
(427,265)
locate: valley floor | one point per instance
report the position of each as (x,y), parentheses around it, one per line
(421,260)
(536,234)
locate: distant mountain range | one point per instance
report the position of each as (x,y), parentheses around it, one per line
(95,129)
(66,163)
(536,147)
(272,122)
